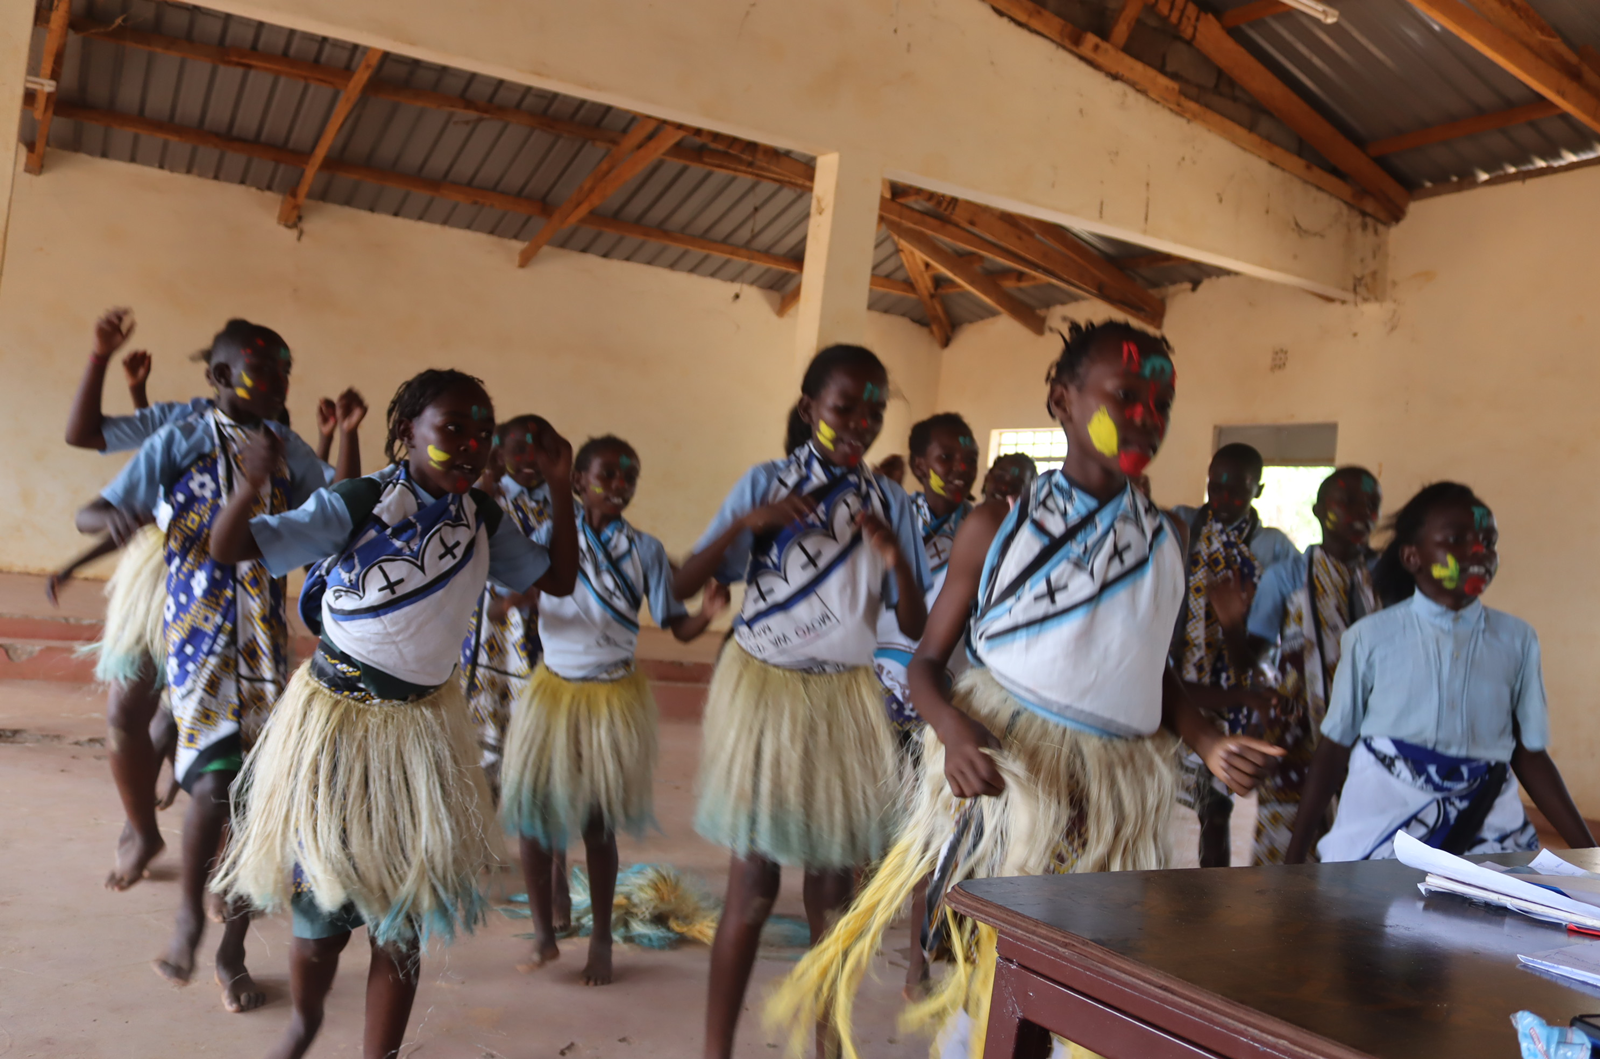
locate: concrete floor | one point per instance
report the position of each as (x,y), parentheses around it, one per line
(75,976)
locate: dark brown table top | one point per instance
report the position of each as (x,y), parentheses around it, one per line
(1350,952)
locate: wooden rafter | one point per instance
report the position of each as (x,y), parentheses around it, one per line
(967,271)
(1250,12)
(1517,57)
(790,299)
(1020,243)
(731,155)
(922,279)
(1143,261)
(289,210)
(1454,130)
(648,140)
(1519,19)
(44,106)
(1164,90)
(1213,41)
(1122,28)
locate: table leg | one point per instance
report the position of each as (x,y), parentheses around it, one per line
(1010,1036)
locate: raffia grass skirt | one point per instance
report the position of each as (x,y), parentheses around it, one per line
(576,748)
(133,643)
(380,804)
(1073,802)
(798,768)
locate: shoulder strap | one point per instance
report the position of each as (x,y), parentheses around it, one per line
(360,496)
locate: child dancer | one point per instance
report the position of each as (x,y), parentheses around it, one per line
(581,751)
(1436,700)
(1303,607)
(944,458)
(225,630)
(361,804)
(1052,741)
(1010,476)
(799,759)
(1228,549)
(499,653)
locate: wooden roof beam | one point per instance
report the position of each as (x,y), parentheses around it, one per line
(1212,39)
(1122,28)
(1164,90)
(966,271)
(889,285)
(289,210)
(1512,54)
(922,280)
(44,98)
(1256,9)
(730,155)
(642,145)
(1455,130)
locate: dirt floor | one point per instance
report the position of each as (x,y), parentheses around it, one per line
(75,975)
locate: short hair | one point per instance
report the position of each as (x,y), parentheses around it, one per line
(1246,456)
(504,430)
(416,394)
(594,446)
(922,433)
(239,334)
(1341,474)
(818,372)
(1079,341)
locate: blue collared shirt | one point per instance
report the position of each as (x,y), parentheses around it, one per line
(124,433)
(173,449)
(1466,683)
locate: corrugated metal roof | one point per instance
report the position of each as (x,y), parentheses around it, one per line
(1385,69)
(433,144)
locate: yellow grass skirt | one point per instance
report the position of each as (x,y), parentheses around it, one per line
(576,748)
(133,644)
(373,803)
(799,768)
(1073,802)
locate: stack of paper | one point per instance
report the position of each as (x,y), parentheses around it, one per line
(1580,962)
(1555,891)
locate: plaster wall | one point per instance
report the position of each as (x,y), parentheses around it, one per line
(1480,369)
(697,374)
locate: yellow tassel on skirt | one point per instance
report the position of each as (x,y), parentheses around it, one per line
(796,767)
(133,644)
(575,748)
(380,804)
(1073,802)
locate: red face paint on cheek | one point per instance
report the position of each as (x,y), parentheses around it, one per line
(1132,461)
(1475,585)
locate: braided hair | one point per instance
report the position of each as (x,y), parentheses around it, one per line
(1079,340)
(237,335)
(922,433)
(415,395)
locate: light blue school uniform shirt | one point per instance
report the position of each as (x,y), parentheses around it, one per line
(1466,683)
(322,526)
(174,448)
(123,433)
(1271,602)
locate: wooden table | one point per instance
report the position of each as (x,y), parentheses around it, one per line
(1332,961)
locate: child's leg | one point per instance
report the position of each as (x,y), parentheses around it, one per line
(600,846)
(391,987)
(1278,795)
(826,893)
(1215,810)
(202,837)
(536,869)
(916,964)
(752,888)
(164,743)
(239,990)
(134,766)
(561,890)
(313,962)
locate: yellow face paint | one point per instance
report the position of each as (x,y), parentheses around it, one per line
(1103,433)
(242,392)
(245,375)
(438,457)
(1448,574)
(936,483)
(826,434)
(596,489)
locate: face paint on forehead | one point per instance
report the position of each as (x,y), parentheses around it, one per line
(1157,368)
(479,412)
(873,392)
(1482,517)
(1369,484)
(627,462)
(965,442)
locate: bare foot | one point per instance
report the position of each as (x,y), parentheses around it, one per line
(916,992)
(598,970)
(543,952)
(239,991)
(177,966)
(134,855)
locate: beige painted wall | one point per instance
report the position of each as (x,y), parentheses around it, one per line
(945,93)
(1481,369)
(696,373)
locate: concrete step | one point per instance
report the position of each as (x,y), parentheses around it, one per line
(37,628)
(35,660)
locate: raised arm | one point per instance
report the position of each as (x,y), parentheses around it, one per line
(350,410)
(554,457)
(83,420)
(969,771)
(136,370)
(700,566)
(231,539)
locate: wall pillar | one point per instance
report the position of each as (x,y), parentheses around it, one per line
(16,34)
(839,250)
